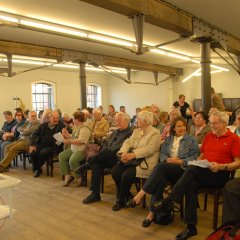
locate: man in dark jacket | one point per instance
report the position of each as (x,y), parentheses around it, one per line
(43,144)
(107,158)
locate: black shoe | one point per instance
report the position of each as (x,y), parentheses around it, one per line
(187,233)
(147,222)
(132,203)
(36,173)
(93,197)
(117,206)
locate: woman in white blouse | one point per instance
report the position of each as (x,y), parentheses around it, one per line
(71,158)
(175,152)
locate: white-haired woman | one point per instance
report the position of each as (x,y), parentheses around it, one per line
(143,143)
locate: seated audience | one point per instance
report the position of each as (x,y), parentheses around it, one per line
(163,120)
(200,127)
(71,158)
(99,126)
(46,115)
(9,137)
(8,124)
(43,144)
(134,118)
(183,107)
(22,144)
(155,109)
(110,116)
(143,143)
(67,120)
(221,148)
(231,201)
(176,151)
(166,131)
(88,120)
(107,157)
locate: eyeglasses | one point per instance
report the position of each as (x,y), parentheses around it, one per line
(19,115)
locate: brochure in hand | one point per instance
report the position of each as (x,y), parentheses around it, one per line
(200,163)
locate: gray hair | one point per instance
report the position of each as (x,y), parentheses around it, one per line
(175,111)
(146,116)
(97,110)
(223,116)
(123,115)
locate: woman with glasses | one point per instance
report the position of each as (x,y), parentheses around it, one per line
(71,158)
(14,134)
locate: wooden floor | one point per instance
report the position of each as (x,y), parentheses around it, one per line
(46,210)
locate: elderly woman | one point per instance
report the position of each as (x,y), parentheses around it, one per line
(200,128)
(72,157)
(172,115)
(143,143)
(176,151)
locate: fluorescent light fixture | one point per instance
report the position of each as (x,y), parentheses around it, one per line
(220,68)
(212,72)
(34,58)
(9,19)
(195,61)
(53,28)
(176,55)
(191,75)
(159,51)
(110,40)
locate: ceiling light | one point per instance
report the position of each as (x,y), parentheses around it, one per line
(216,71)
(191,75)
(9,19)
(176,55)
(52,28)
(195,61)
(220,68)
(110,40)
(158,51)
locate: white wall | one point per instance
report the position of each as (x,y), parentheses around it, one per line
(67,88)
(140,95)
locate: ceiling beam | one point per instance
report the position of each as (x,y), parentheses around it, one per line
(14,48)
(156,13)
(162,15)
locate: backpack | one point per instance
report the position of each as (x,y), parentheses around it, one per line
(165,217)
(227,231)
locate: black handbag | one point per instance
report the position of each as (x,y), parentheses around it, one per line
(137,161)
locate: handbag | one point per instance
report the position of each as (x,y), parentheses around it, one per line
(91,150)
(137,161)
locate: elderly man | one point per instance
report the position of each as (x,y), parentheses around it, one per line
(107,158)
(43,143)
(99,125)
(22,143)
(221,148)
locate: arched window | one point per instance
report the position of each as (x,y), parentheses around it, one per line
(42,96)
(93,96)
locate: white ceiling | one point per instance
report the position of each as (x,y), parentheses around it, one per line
(85,16)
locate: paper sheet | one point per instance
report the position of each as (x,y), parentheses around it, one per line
(200,163)
(59,137)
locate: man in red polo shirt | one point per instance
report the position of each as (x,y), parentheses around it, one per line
(221,147)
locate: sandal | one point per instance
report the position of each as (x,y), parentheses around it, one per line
(68,181)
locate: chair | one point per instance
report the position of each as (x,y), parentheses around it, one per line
(139,184)
(49,164)
(217,193)
(23,155)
